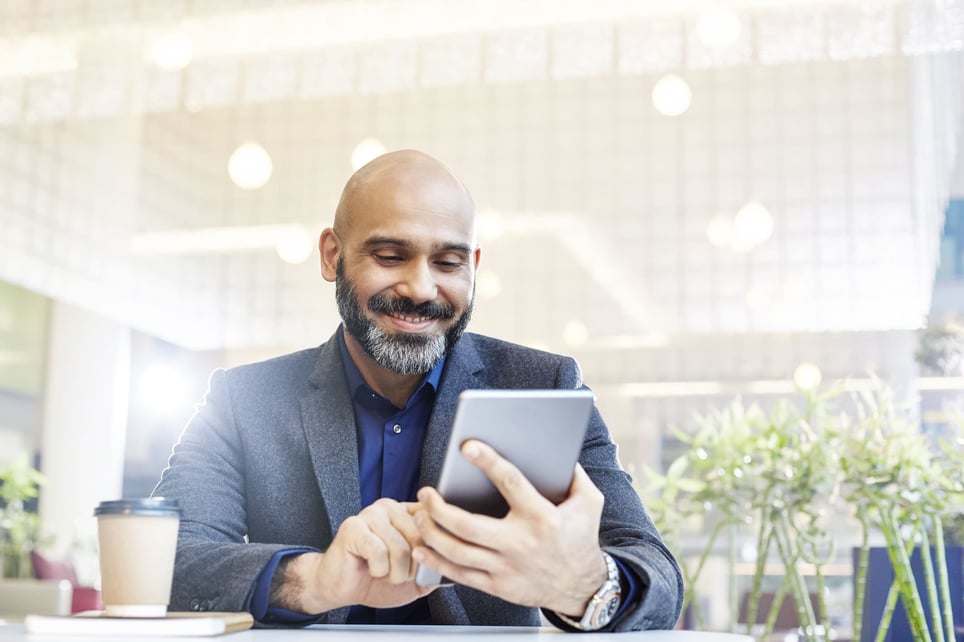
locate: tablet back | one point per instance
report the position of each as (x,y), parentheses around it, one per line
(539,431)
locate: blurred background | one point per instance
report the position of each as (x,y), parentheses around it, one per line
(697,200)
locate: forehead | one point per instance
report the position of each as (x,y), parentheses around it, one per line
(418,207)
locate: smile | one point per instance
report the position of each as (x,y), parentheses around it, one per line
(410,319)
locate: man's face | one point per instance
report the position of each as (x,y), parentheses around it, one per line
(405,272)
(401,352)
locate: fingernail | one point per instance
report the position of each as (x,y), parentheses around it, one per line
(470,449)
(418,555)
(422,495)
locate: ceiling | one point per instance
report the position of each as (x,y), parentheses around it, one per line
(840,118)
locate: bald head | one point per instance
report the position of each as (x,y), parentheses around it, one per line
(410,176)
(402,254)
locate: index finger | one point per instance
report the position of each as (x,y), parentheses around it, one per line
(519,493)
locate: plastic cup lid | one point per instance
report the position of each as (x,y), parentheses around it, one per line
(151,506)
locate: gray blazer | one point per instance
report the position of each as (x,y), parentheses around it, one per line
(269,462)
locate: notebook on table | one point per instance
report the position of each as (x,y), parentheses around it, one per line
(175,624)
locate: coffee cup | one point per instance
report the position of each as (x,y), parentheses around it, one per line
(138,540)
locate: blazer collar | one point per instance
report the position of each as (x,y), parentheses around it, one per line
(328,419)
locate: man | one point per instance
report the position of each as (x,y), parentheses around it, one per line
(306,480)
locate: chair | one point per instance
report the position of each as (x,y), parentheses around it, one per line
(85,598)
(21,597)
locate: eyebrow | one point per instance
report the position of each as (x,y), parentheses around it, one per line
(376,241)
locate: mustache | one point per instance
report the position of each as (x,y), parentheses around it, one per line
(404,305)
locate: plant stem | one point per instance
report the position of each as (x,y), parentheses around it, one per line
(798,587)
(764,536)
(904,576)
(946,606)
(778,598)
(931,585)
(734,602)
(888,614)
(822,610)
(860,582)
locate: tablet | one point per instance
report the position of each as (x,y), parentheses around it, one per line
(540,431)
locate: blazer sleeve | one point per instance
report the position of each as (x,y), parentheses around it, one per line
(626,530)
(215,568)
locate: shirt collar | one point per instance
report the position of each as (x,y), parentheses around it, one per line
(355,378)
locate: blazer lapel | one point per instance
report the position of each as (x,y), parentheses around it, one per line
(329,423)
(461,366)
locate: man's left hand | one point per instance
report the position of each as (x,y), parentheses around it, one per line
(539,554)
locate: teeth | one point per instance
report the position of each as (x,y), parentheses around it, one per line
(410,319)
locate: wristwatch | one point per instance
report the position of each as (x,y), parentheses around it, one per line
(603,605)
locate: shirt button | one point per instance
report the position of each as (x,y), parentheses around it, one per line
(397,429)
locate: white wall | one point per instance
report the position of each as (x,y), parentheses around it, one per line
(85,415)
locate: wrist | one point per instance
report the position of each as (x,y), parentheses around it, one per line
(578,600)
(294,587)
(602,606)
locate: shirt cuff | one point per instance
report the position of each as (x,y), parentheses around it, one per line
(629,589)
(259,607)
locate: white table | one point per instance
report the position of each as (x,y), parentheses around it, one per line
(322,633)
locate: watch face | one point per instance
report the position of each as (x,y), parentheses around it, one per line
(604,614)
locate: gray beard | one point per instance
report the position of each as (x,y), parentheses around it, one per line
(405,353)
(402,354)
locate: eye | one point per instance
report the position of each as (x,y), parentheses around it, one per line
(388,259)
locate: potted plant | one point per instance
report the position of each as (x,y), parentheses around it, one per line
(904,488)
(765,478)
(19,528)
(779,479)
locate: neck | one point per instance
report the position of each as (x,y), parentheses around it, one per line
(395,387)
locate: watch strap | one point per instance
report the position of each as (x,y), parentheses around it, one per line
(602,605)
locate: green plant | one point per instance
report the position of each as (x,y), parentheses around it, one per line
(902,487)
(779,478)
(19,528)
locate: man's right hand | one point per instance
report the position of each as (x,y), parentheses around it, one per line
(369,562)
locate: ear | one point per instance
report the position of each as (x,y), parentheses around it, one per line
(476,256)
(329,248)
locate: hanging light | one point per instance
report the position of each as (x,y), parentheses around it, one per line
(719,230)
(250,166)
(671,95)
(171,51)
(807,376)
(752,225)
(366,151)
(294,245)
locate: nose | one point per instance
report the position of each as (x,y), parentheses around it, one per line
(418,282)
